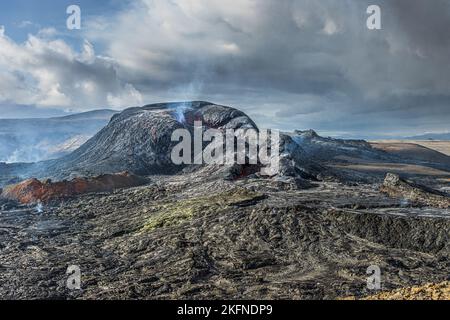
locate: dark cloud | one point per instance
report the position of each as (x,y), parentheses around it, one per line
(290,64)
(424,23)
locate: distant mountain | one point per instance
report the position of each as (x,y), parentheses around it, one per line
(36,139)
(102,114)
(431,136)
(17,111)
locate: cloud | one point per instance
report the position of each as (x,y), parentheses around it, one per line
(271,51)
(290,64)
(47,72)
(25,24)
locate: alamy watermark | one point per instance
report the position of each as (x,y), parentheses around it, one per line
(374,279)
(73,22)
(229,147)
(374,20)
(74,280)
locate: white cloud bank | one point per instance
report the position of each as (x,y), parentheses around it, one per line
(47,72)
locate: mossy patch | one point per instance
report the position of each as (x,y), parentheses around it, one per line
(175,213)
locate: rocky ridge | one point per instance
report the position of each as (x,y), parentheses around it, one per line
(394,186)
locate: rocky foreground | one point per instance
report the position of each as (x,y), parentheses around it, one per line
(180,238)
(440,291)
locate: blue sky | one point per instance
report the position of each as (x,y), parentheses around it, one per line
(21,17)
(295,64)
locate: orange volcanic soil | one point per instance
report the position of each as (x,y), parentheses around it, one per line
(33,190)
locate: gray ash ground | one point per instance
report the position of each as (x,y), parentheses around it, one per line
(183,238)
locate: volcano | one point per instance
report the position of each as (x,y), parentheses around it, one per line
(139,140)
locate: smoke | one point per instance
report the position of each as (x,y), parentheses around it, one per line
(27,148)
(179,113)
(193,91)
(405,203)
(33,140)
(39,208)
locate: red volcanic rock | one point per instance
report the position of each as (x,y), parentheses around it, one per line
(33,190)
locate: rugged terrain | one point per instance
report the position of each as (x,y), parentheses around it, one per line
(205,232)
(430,291)
(191,239)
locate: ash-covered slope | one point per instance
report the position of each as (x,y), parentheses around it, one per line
(306,154)
(139,139)
(320,148)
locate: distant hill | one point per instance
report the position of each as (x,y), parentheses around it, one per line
(103,114)
(16,111)
(36,139)
(431,136)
